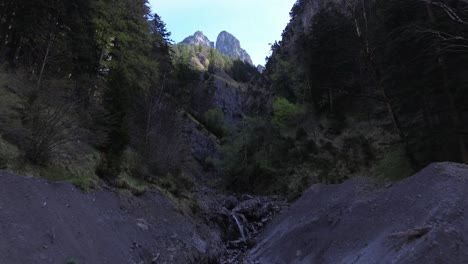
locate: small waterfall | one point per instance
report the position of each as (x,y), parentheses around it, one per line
(239,225)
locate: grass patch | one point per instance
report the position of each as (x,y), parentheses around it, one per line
(178,189)
(83,182)
(135,185)
(9,154)
(74,162)
(127,179)
(72,261)
(178,185)
(77,170)
(394,166)
(77,177)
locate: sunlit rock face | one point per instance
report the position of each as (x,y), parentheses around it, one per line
(229,45)
(226,44)
(198,39)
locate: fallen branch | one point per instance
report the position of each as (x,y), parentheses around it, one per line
(411,233)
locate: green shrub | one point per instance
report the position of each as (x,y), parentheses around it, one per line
(241,71)
(209,163)
(337,123)
(8,153)
(72,261)
(215,122)
(83,182)
(250,157)
(78,177)
(178,184)
(194,206)
(3,163)
(394,166)
(286,113)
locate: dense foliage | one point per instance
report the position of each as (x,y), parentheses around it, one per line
(95,72)
(356,87)
(383,90)
(101,79)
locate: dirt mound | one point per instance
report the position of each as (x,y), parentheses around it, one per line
(42,222)
(419,220)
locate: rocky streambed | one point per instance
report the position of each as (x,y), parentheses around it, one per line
(50,222)
(242,218)
(419,220)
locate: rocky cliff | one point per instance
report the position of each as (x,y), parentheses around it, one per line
(198,39)
(227,44)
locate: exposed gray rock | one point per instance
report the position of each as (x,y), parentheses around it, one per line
(252,215)
(229,96)
(419,220)
(202,143)
(260,68)
(226,43)
(250,208)
(229,45)
(245,197)
(198,39)
(230,202)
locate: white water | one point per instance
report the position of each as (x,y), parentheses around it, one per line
(239,225)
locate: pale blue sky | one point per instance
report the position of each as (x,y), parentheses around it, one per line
(256,23)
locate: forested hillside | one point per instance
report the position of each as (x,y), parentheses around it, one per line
(84,84)
(357,88)
(354,87)
(193,149)
(97,90)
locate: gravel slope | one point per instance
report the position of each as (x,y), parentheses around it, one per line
(42,222)
(422,219)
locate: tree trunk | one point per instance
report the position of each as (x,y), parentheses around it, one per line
(17,52)
(363,35)
(308,93)
(150,113)
(50,41)
(453,111)
(44,61)
(330,100)
(386,99)
(148,124)
(101,57)
(462,146)
(5,27)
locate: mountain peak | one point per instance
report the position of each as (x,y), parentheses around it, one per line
(229,45)
(198,38)
(199,33)
(226,44)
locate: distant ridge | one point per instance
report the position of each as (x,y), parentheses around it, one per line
(198,39)
(226,43)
